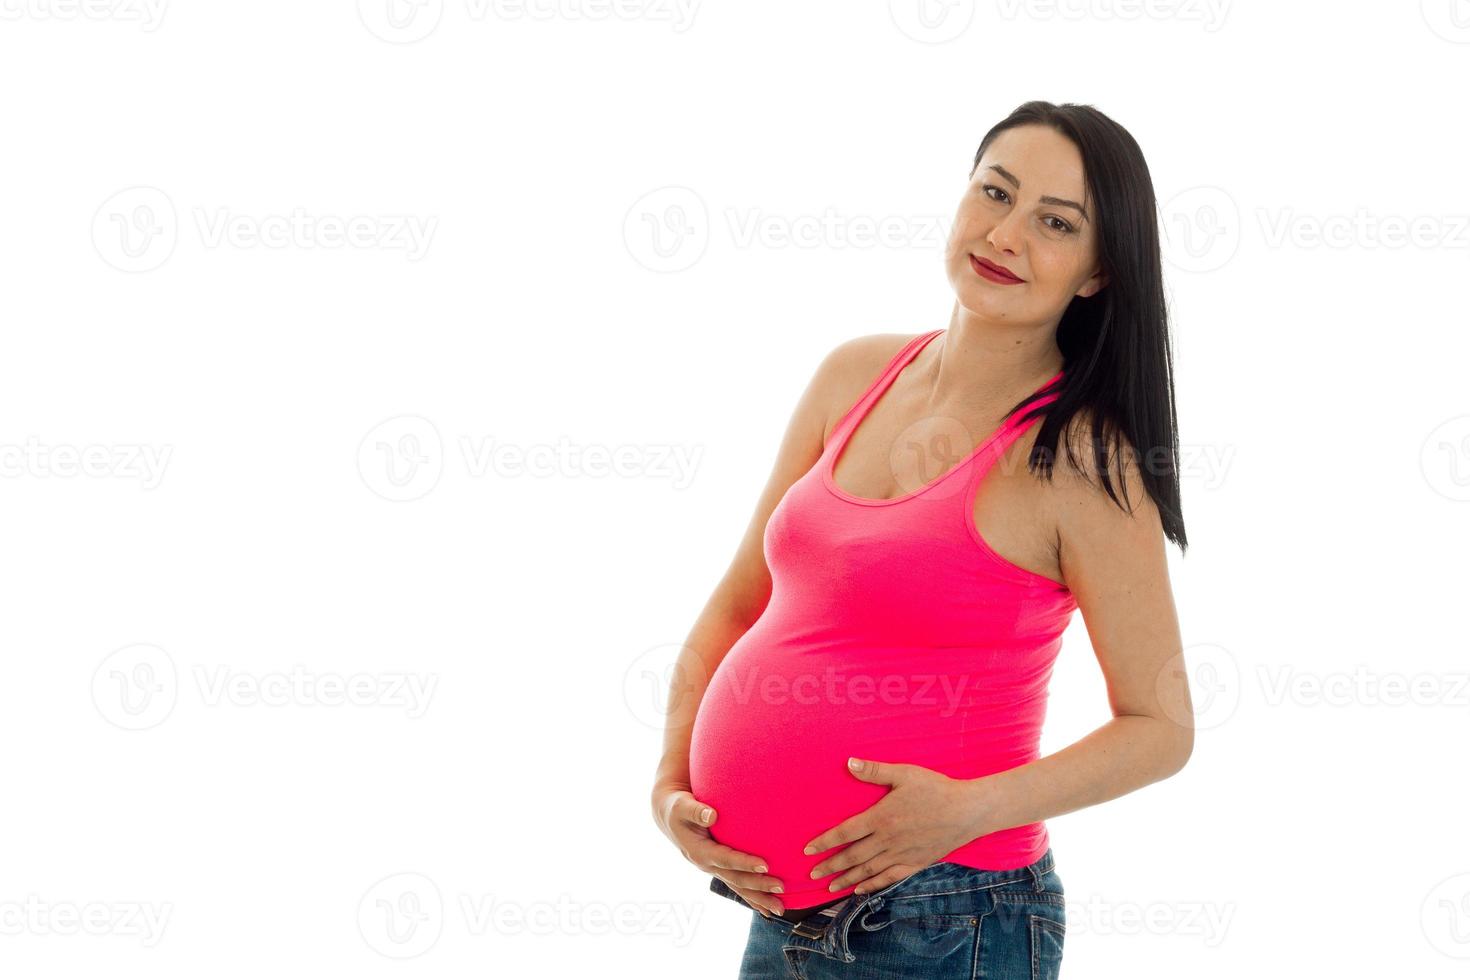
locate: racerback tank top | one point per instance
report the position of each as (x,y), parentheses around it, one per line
(894,632)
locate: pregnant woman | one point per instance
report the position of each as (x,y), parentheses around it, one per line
(852,749)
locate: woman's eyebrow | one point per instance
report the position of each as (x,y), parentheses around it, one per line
(1059,201)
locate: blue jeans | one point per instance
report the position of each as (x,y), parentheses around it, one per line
(946,920)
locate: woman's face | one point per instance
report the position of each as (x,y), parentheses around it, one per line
(1025,210)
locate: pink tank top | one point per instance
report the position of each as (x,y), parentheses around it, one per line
(894,633)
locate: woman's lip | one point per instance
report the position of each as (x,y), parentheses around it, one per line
(992,271)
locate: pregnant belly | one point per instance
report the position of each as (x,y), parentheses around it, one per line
(776,786)
(770,746)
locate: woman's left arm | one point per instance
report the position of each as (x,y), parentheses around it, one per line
(1115,565)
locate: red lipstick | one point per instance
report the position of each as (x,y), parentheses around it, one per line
(993,272)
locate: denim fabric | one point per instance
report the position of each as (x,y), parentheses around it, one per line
(946,920)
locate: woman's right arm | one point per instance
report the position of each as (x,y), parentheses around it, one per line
(736,603)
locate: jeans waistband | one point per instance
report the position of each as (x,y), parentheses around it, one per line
(940,889)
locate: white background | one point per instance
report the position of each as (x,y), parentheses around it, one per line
(321,507)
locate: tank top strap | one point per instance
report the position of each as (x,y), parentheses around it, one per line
(853,415)
(1011,430)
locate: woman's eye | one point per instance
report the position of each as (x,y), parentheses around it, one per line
(1060,226)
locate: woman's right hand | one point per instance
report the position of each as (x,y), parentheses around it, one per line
(685,821)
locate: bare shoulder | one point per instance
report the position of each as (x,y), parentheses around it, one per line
(851,366)
(1108,525)
(1078,467)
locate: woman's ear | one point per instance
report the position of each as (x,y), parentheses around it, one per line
(1094,285)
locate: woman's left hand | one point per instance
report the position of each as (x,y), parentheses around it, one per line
(925,816)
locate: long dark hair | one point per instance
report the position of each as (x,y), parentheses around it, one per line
(1118,365)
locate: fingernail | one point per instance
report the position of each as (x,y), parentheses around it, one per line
(704,815)
(809,850)
(815,873)
(760,869)
(778,889)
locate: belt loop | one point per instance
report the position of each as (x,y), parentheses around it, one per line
(1036,875)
